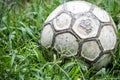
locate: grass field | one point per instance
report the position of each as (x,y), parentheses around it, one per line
(23,58)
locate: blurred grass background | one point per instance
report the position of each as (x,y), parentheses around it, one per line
(21,55)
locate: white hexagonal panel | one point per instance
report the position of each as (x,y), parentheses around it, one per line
(103,61)
(66,44)
(54,13)
(72,6)
(90,50)
(62,21)
(47,36)
(102,15)
(108,37)
(86,27)
(77,6)
(114,25)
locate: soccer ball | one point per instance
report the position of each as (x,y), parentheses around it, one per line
(79,28)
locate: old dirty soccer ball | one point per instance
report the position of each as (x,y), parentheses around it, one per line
(81,28)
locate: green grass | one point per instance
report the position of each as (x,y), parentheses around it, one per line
(23,58)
